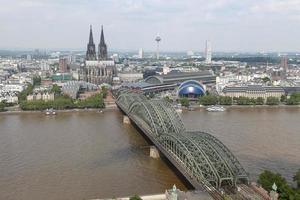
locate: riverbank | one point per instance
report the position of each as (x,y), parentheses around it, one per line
(110,107)
(249,106)
(194,107)
(165,196)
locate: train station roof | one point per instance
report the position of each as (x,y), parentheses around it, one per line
(178,77)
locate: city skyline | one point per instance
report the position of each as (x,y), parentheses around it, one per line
(231,25)
(114,98)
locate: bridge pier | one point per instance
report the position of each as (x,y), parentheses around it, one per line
(126,119)
(197,155)
(154,153)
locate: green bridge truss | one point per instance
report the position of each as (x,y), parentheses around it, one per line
(203,157)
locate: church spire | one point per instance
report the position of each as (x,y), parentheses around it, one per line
(91,40)
(91,49)
(102,54)
(102,41)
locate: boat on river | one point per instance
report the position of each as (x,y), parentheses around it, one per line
(215,109)
(50,111)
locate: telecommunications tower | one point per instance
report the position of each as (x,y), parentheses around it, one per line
(157,39)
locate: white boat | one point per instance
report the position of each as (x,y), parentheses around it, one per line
(215,109)
(47,112)
(50,112)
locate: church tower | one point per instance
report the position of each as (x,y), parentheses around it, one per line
(102,54)
(91,49)
(97,69)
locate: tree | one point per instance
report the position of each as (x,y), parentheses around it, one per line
(272,101)
(243,101)
(208,100)
(104,91)
(23,95)
(59,103)
(95,101)
(56,90)
(135,197)
(253,101)
(267,179)
(36,80)
(2,106)
(296,178)
(224,100)
(63,102)
(185,101)
(266,79)
(294,99)
(283,98)
(35,105)
(260,101)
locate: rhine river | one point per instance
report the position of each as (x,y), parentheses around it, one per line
(86,155)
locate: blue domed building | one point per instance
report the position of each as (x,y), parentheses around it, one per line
(191,89)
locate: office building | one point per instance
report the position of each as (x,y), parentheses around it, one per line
(208,52)
(141,53)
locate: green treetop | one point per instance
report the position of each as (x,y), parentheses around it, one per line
(56,90)
(272,101)
(209,100)
(104,91)
(297,178)
(185,101)
(294,99)
(2,106)
(36,80)
(267,180)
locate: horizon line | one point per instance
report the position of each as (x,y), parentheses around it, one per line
(150,51)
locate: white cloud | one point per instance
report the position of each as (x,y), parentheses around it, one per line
(130,24)
(280,6)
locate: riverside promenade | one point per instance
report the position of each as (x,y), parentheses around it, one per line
(170,194)
(147,197)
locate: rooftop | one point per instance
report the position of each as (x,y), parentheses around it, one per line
(253,88)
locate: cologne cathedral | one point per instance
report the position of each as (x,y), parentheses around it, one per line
(98,69)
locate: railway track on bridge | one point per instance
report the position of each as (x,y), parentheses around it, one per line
(200,157)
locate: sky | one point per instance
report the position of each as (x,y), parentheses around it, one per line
(230,25)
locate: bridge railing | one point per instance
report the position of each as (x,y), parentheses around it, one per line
(205,158)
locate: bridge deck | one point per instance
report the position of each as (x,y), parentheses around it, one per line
(198,186)
(200,157)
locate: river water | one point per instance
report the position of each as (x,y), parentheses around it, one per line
(87,155)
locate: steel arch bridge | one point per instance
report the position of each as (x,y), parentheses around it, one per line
(203,159)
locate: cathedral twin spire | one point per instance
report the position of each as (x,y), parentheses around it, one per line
(91,49)
(102,53)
